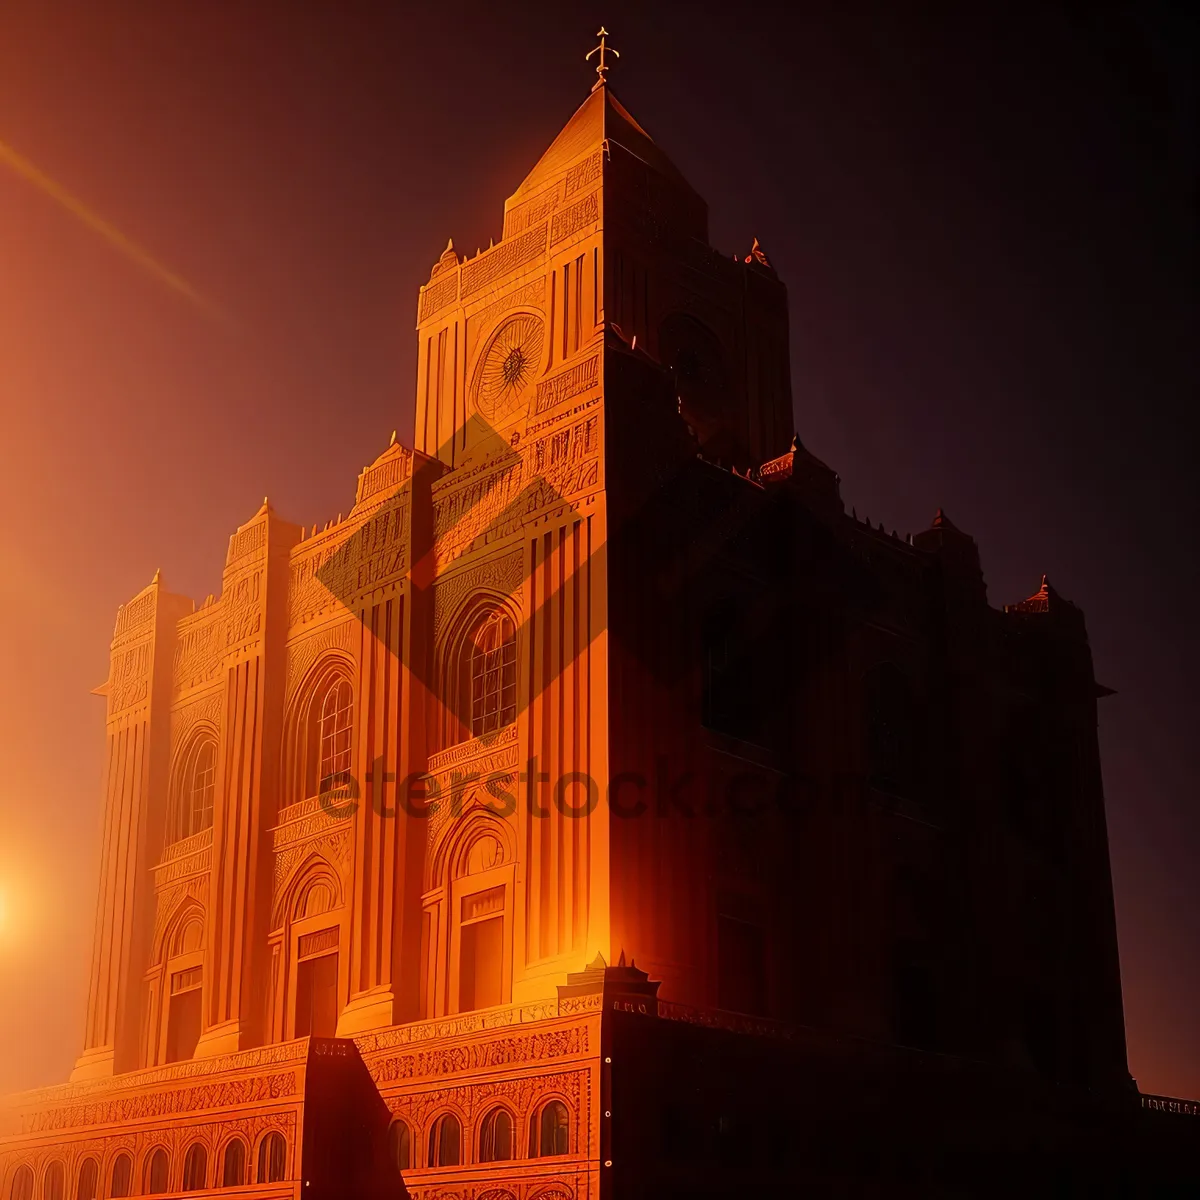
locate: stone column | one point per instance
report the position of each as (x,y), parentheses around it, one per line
(135,784)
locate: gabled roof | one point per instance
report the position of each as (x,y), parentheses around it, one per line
(601,117)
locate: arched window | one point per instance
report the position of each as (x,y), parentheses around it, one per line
(158,1168)
(21,1187)
(54,1186)
(194,799)
(400,1144)
(195,1168)
(550,1130)
(272,1158)
(318,746)
(445,1142)
(88,1183)
(233,1170)
(122,1176)
(496,1136)
(336,731)
(492,663)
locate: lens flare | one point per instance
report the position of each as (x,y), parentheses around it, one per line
(115,238)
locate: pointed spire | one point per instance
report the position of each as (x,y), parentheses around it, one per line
(601,50)
(941,521)
(393,441)
(157,575)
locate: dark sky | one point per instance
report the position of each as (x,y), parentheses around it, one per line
(985,215)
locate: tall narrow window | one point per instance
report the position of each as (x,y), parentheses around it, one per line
(316,984)
(400,1145)
(21,1187)
(195,1168)
(336,731)
(193,806)
(88,1184)
(441,383)
(496,1136)
(158,1168)
(493,665)
(481,950)
(550,1130)
(272,1158)
(445,1142)
(566,309)
(577,323)
(183,1014)
(233,1170)
(122,1176)
(55,1183)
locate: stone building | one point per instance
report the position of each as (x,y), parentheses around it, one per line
(598,809)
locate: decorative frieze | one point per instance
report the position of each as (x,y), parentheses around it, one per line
(198,649)
(497,502)
(191,856)
(436,296)
(228,1093)
(531,1048)
(247,543)
(136,617)
(571,220)
(129,684)
(508,256)
(567,384)
(583,174)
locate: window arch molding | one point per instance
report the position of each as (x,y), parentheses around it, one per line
(319,730)
(232,1163)
(87,1178)
(270,1157)
(496,1138)
(312,904)
(315,872)
(156,1171)
(401,1143)
(178,950)
(466,897)
(484,705)
(119,1174)
(445,1141)
(551,1127)
(171,939)
(195,1168)
(193,784)
(19,1185)
(451,857)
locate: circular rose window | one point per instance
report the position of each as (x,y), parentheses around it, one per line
(507,368)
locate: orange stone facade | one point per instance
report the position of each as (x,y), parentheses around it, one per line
(373,855)
(267,893)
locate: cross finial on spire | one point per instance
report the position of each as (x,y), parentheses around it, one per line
(602,49)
